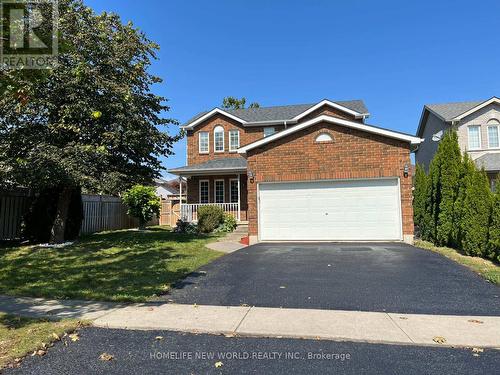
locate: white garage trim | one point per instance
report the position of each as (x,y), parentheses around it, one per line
(392,232)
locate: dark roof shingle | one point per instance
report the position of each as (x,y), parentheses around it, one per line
(281,113)
(236,163)
(490,161)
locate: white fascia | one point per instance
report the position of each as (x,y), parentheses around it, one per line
(477,108)
(210,114)
(333,120)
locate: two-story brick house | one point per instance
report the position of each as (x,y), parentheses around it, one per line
(302,172)
(478,127)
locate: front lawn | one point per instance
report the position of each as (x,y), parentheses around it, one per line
(21,336)
(486,268)
(126,265)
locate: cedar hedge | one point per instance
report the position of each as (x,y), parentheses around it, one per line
(453,204)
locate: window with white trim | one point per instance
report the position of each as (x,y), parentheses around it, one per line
(269,131)
(219,191)
(219,139)
(324,137)
(204,142)
(234,139)
(233,191)
(204,191)
(474,134)
(493,141)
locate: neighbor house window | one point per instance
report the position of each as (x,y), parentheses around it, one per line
(204,191)
(474,137)
(493,136)
(269,131)
(234,140)
(234,191)
(219,191)
(204,142)
(219,139)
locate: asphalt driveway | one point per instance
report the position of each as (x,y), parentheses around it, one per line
(139,352)
(366,277)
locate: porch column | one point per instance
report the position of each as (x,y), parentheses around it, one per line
(180,195)
(239,199)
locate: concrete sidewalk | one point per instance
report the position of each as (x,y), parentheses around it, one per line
(377,327)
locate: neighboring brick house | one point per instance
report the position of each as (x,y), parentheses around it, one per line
(313,172)
(478,128)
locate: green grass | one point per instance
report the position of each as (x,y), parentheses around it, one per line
(120,266)
(21,336)
(484,267)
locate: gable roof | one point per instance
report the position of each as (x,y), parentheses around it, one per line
(333,120)
(456,111)
(289,113)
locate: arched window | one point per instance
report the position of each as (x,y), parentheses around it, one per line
(324,137)
(219,139)
(493,133)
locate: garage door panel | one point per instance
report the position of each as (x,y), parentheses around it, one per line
(330,210)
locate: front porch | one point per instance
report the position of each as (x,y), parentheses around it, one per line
(219,182)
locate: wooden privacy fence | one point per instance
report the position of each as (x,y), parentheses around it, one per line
(13,205)
(103,212)
(170,212)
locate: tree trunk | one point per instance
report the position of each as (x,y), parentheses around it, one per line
(59,226)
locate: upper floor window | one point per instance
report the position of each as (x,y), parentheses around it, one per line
(234,140)
(219,139)
(474,133)
(204,142)
(269,131)
(493,139)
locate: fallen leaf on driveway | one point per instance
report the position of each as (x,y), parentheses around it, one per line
(55,336)
(439,339)
(195,306)
(243,304)
(403,318)
(74,337)
(39,352)
(475,321)
(230,335)
(106,357)
(282,287)
(477,350)
(218,364)
(158,338)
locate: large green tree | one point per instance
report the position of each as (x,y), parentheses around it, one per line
(444,175)
(476,210)
(494,234)
(230,102)
(92,122)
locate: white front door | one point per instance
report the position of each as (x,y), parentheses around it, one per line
(350,210)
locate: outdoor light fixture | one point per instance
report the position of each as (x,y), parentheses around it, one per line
(405,171)
(251,176)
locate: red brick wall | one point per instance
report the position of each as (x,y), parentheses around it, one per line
(247,135)
(352,154)
(193,190)
(329,111)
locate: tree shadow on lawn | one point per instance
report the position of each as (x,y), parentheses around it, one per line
(114,266)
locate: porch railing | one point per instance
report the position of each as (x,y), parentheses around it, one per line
(189,212)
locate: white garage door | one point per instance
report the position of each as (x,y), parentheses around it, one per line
(330,210)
